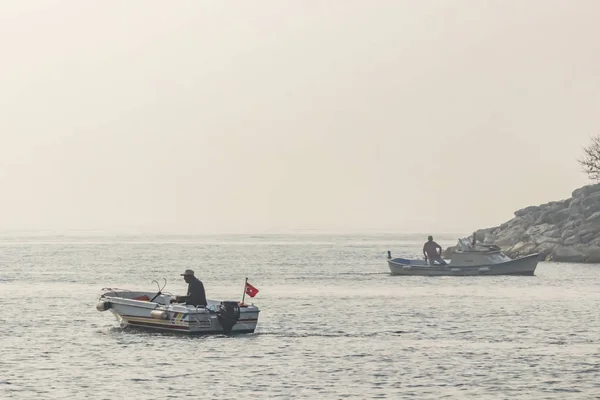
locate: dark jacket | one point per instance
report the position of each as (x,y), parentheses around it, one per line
(430,249)
(195,295)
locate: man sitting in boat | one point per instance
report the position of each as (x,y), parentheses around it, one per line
(430,252)
(195,294)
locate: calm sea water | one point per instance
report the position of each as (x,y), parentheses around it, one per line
(334,323)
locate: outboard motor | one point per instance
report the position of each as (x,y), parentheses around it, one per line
(228,314)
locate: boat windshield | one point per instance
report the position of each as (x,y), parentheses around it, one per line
(465,245)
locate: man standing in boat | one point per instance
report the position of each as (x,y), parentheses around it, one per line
(195,294)
(430,251)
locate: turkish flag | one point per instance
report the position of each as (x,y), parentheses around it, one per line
(251,290)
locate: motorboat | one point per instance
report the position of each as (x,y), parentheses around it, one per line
(153,310)
(467,258)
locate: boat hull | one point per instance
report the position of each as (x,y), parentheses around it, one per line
(159,315)
(520,266)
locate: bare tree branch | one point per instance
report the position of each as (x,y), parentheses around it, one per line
(590,162)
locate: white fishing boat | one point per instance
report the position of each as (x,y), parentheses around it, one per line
(154,310)
(467,258)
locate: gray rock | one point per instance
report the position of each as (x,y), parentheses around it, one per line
(586,238)
(539,229)
(544,218)
(592,253)
(511,236)
(595,217)
(573,221)
(575,205)
(567,254)
(481,234)
(586,190)
(570,241)
(521,249)
(560,216)
(588,227)
(554,233)
(566,230)
(590,209)
(567,233)
(526,210)
(592,199)
(545,250)
(539,240)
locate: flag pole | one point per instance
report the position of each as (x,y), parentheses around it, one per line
(244,295)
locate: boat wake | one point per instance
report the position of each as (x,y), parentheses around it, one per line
(332,334)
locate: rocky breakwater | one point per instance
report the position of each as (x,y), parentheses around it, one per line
(567,230)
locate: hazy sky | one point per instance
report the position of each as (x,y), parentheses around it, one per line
(271,115)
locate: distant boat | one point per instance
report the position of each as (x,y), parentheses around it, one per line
(467,259)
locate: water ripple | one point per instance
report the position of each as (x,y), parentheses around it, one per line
(329,328)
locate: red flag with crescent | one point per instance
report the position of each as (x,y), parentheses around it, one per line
(251,290)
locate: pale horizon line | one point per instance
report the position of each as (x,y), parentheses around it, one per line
(98,232)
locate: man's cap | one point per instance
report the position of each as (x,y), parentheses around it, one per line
(188,272)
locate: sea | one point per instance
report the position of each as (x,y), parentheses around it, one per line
(334,324)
